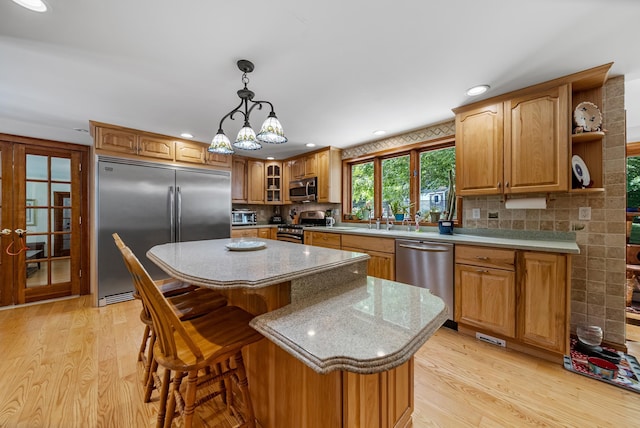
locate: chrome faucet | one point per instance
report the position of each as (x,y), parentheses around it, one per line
(389,223)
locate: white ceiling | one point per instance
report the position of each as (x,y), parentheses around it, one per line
(334,70)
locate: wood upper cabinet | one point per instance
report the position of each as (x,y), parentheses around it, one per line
(189,152)
(125,141)
(329,163)
(543,309)
(485,289)
(311,165)
(116,140)
(239,179)
(255,182)
(273,182)
(479,150)
(536,142)
(517,145)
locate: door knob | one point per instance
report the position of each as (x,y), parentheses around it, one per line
(5,232)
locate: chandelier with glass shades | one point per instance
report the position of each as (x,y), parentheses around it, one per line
(271,131)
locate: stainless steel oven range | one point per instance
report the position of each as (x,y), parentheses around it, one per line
(295,232)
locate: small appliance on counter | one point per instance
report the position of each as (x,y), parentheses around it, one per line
(276,218)
(243,218)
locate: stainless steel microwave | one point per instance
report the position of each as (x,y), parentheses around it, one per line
(304,190)
(243,218)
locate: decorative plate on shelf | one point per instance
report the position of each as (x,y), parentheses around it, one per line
(246,245)
(588,116)
(580,171)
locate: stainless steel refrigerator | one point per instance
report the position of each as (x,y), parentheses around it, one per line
(149,204)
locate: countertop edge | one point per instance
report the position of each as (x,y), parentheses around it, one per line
(250,284)
(551,246)
(369,366)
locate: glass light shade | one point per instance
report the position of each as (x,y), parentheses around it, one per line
(271,131)
(35,5)
(220,144)
(246,140)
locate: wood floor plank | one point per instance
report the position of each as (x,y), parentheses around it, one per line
(68,364)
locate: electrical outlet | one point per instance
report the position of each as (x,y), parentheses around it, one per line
(475,213)
(584,213)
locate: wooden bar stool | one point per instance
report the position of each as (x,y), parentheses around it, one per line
(188,302)
(206,350)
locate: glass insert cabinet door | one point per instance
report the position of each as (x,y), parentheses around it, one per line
(47,204)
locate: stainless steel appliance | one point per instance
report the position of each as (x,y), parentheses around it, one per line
(150,204)
(295,232)
(429,265)
(303,190)
(243,218)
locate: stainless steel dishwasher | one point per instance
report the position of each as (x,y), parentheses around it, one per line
(429,265)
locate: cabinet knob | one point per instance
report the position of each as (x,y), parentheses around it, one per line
(482,258)
(499,184)
(506,184)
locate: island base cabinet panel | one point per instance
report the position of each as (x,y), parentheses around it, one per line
(486,299)
(543,310)
(379,400)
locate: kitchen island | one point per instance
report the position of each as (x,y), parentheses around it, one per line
(340,344)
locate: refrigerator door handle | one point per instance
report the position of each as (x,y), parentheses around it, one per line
(179,216)
(172,207)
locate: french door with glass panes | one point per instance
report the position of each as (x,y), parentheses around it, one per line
(43,246)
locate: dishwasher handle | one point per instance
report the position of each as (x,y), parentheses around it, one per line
(428,249)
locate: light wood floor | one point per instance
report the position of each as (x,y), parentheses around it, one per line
(67,364)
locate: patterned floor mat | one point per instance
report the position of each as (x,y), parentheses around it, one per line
(628,369)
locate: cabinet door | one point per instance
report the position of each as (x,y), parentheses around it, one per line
(156,147)
(264,232)
(329,175)
(322,239)
(217,159)
(485,298)
(479,151)
(189,152)
(273,182)
(297,168)
(543,312)
(286,178)
(380,264)
(244,233)
(255,185)
(116,140)
(537,142)
(239,180)
(311,166)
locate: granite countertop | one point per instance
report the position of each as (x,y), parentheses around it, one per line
(365,326)
(253,226)
(209,263)
(519,240)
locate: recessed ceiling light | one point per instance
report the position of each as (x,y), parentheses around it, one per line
(477,90)
(270,158)
(186,135)
(34,5)
(310,145)
(379,132)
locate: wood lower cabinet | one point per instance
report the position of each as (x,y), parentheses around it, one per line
(487,298)
(287,393)
(382,263)
(254,232)
(323,239)
(543,307)
(519,296)
(244,233)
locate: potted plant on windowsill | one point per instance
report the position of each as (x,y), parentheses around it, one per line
(399,209)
